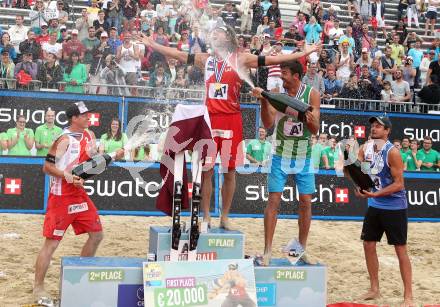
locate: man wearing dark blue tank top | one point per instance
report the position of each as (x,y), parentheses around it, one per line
(387,207)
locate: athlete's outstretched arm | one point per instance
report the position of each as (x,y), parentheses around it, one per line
(181,56)
(251,60)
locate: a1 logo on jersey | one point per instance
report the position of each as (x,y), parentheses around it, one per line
(12,186)
(94,119)
(342,195)
(359,131)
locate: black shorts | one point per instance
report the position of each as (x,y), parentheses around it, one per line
(431,15)
(393,222)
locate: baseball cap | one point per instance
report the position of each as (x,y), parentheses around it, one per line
(63,28)
(74,32)
(383,120)
(44,25)
(364,50)
(5,51)
(104,34)
(279,43)
(266,35)
(409,58)
(76,109)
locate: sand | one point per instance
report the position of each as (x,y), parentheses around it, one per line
(336,244)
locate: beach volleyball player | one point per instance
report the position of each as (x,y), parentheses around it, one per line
(68,203)
(223,84)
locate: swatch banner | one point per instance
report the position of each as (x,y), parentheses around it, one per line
(33,105)
(161,112)
(334,196)
(22,186)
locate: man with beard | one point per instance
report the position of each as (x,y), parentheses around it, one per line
(223,82)
(387,207)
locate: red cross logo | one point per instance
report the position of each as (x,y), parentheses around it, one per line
(94,119)
(13,186)
(341,195)
(359,131)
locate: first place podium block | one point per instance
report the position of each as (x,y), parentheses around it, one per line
(214,245)
(280,285)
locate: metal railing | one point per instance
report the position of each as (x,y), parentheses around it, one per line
(370,105)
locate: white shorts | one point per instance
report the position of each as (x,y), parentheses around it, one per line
(275,82)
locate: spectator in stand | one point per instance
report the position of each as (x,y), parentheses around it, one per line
(323,61)
(305,7)
(271,29)
(82,24)
(274,81)
(37,17)
(113,74)
(26,66)
(405,148)
(255,45)
(317,10)
(114,42)
(162,10)
(54,26)
(129,13)
(429,157)
(20,138)
(366,38)
(348,36)
(292,37)
(430,93)
(329,155)
(365,58)
(390,37)
(73,45)
(410,160)
(114,15)
(353,7)
(90,43)
(401,30)
(114,139)
(230,17)
(172,18)
(409,72)
(63,16)
(266,4)
(314,79)
(128,57)
(313,31)
(99,54)
(274,13)
(331,12)
(196,43)
(214,21)
(18,32)
(22,4)
(412,12)
(149,17)
(182,24)
(93,11)
(300,22)
(31,45)
(44,35)
(5,44)
(52,47)
(257,16)
(183,43)
(258,151)
(416,54)
(368,86)
(7,70)
(428,57)
(100,24)
(245,9)
(264,25)
(331,84)
(388,65)
(64,35)
(398,144)
(344,63)
(317,147)
(403,5)
(431,17)
(141,153)
(335,34)
(400,87)
(410,40)
(161,38)
(376,70)
(434,70)
(329,25)
(50,73)
(351,89)
(387,94)
(375,52)
(75,74)
(356,25)
(378,13)
(159,78)
(181,80)
(46,134)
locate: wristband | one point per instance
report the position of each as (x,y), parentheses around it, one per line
(261,60)
(50,158)
(191,58)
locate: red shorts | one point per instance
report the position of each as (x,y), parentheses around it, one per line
(227,131)
(76,210)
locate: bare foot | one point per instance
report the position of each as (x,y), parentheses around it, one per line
(408,303)
(370,295)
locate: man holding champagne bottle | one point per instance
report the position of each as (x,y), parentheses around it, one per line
(68,203)
(292,153)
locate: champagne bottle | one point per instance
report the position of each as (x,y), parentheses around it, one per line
(360,179)
(93,166)
(288,105)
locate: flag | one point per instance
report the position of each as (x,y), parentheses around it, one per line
(190,129)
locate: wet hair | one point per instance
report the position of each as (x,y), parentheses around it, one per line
(232,37)
(295,67)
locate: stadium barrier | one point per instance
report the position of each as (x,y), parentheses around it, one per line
(24,188)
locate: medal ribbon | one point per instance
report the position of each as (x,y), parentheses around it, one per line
(219,74)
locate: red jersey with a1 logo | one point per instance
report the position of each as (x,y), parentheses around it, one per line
(76,153)
(223,85)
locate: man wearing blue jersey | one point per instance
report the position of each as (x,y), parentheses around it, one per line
(387,207)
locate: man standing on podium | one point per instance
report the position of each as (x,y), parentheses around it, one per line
(223,81)
(291,155)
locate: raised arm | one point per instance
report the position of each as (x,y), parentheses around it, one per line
(199,58)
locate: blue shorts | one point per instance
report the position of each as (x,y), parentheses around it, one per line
(303,171)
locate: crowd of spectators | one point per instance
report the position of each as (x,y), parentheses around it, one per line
(103,49)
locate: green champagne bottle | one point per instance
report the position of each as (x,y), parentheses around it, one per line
(360,179)
(288,105)
(93,166)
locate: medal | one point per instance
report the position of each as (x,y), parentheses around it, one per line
(218,74)
(218,86)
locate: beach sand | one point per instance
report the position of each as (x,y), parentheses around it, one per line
(335,244)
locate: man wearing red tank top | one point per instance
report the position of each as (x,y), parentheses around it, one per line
(68,203)
(223,81)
